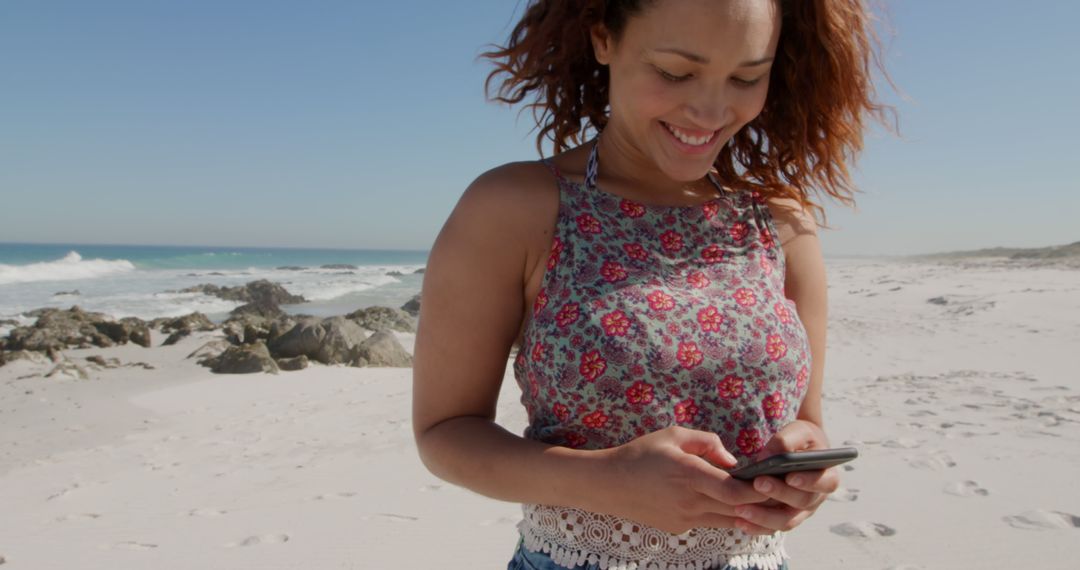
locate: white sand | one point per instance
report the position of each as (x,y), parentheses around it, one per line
(966,416)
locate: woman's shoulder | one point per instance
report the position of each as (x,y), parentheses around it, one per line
(515,191)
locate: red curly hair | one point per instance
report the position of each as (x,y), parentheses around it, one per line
(812,123)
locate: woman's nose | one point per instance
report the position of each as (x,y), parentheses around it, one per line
(710,108)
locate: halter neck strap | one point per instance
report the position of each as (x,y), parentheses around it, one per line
(592,167)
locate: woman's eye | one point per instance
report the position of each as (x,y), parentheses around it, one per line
(673,78)
(747,82)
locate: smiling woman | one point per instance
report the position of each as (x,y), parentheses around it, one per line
(666,292)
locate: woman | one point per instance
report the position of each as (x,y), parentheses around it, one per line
(663,280)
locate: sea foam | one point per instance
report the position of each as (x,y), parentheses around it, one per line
(70,268)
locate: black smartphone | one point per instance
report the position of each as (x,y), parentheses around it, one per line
(783,463)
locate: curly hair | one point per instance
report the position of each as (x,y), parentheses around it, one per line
(812,122)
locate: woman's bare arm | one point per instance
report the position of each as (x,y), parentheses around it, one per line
(470,313)
(805,283)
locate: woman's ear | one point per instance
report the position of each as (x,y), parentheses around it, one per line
(602,43)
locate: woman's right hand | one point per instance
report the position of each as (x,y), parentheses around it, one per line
(674,479)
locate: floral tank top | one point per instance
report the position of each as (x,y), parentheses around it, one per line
(651,316)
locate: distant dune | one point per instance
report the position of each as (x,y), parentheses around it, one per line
(1063,255)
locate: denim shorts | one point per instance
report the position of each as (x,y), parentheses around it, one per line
(525,559)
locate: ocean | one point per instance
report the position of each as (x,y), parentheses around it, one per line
(140,281)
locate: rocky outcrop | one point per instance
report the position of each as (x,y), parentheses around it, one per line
(261,290)
(58,329)
(379,318)
(329,341)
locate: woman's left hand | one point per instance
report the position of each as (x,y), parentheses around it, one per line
(795,496)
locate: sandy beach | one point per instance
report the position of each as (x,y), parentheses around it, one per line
(957,382)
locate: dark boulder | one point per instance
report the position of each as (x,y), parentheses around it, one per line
(244,359)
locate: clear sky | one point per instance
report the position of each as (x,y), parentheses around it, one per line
(358,124)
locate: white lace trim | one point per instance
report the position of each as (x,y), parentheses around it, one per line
(573,537)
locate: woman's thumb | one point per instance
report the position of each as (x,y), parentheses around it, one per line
(708,446)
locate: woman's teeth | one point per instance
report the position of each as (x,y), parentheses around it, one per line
(693,141)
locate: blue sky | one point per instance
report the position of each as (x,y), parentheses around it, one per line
(358,124)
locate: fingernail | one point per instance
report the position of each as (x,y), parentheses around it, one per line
(764,485)
(796,481)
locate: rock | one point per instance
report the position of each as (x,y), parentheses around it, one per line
(234,331)
(138,331)
(259,308)
(126,329)
(295,363)
(339,266)
(304,338)
(421,270)
(210,350)
(395,274)
(938,301)
(101,361)
(244,359)
(190,322)
(74,292)
(181,327)
(342,335)
(250,327)
(260,290)
(69,369)
(175,337)
(380,318)
(290,268)
(412,306)
(382,349)
(329,341)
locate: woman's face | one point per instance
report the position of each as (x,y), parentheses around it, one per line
(699,66)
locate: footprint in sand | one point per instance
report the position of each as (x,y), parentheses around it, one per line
(933,461)
(862,529)
(965,489)
(902,443)
(341,495)
(63,492)
(78,517)
(1040,519)
(205,512)
(132,545)
(393,517)
(261,539)
(427,488)
(843,495)
(500,520)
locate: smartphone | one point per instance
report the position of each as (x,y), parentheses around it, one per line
(783,463)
